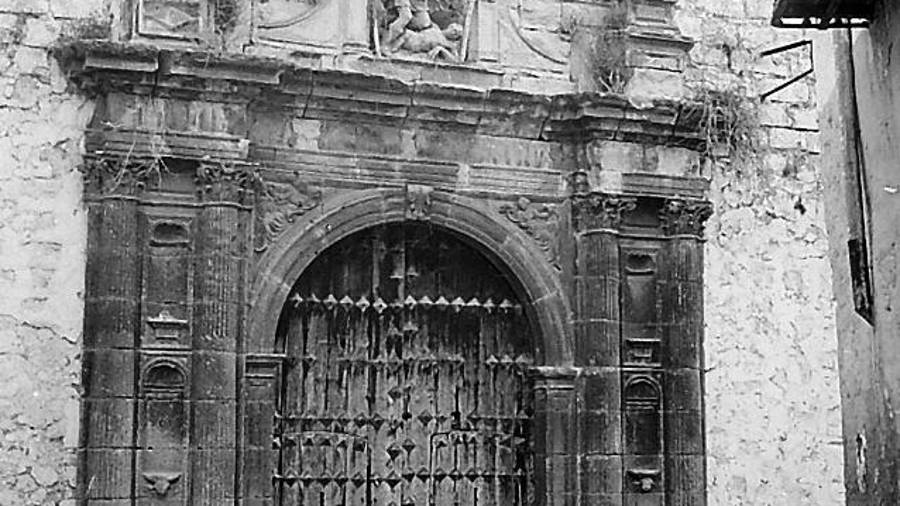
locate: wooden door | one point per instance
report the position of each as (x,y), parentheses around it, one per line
(408,378)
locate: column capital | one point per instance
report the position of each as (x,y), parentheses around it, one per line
(600,210)
(684,217)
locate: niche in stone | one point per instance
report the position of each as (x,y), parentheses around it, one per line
(164,420)
(643,433)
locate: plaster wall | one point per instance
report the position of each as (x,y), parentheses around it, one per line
(772,406)
(42,242)
(870,379)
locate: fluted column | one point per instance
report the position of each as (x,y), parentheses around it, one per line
(596,219)
(682,222)
(220,261)
(111,329)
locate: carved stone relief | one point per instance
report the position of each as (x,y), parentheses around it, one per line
(160,482)
(313,23)
(539,221)
(181,19)
(279,205)
(418,202)
(435,29)
(551,45)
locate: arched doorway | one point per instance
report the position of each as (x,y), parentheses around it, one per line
(408,355)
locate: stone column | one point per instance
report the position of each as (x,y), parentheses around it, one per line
(596,219)
(222,245)
(685,467)
(111,329)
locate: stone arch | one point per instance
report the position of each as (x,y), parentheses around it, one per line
(341,216)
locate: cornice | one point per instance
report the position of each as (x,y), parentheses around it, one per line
(98,67)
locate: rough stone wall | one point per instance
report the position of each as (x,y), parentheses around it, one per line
(42,241)
(772,398)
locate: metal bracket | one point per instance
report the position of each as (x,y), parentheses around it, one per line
(781,49)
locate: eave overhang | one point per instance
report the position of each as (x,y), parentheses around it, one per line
(823,14)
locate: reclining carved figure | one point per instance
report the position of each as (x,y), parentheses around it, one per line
(431,40)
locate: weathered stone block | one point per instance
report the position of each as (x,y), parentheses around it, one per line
(601,433)
(108,373)
(108,423)
(214,424)
(107,474)
(214,376)
(597,343)
(601,475)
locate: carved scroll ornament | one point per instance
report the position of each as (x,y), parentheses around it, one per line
(600,211)
(539,221)
(279,205)
(684,217)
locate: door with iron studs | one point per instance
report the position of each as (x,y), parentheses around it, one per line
(407,380)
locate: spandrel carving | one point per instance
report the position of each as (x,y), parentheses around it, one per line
(313,23)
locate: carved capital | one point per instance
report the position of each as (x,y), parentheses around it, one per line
(278,205)
(218,182)
(111,176)
(684,217)
(599,210)
(538,221)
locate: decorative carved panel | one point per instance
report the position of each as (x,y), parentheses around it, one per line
(303,22)
(641,308)
(181,19)
(432,30)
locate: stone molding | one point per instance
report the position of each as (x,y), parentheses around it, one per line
(316,93)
